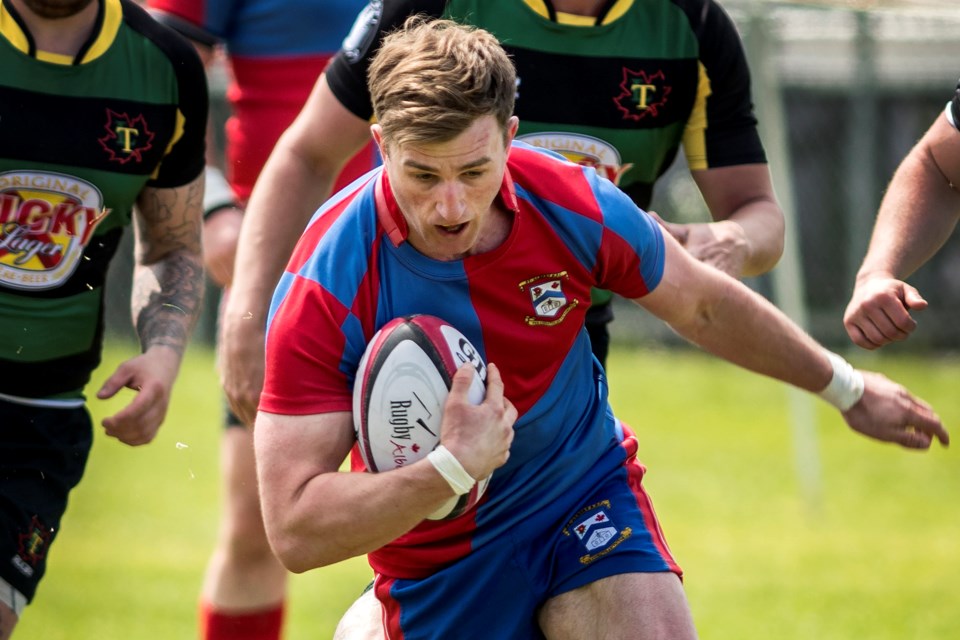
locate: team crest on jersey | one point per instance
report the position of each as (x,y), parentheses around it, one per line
(550,303)
(127,137)
(596,531)
(583,150)
(642,94)
(46,221)
(32,546)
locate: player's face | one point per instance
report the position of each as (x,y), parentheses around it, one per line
(53,9)
(447,190)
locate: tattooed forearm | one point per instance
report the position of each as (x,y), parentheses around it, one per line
(166,300)
(168,282)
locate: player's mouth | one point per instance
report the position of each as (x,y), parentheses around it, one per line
(451,229)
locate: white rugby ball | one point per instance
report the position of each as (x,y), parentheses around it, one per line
(402,383)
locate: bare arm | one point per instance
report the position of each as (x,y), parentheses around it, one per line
(167,291)
(726,318)
(746,236)
(294,182)
(918,213)
(316,515)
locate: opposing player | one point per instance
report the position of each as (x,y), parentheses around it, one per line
(276,49)
(102,113)
(505,241)
(618,86)
(918,213)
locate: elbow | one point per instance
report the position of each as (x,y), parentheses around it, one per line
(767,246)
(298,554)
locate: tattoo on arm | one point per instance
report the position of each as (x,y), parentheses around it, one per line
(168,279)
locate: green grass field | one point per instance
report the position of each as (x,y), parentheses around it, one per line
(873,554)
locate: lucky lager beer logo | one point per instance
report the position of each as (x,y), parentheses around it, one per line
(583,150)
(46,220)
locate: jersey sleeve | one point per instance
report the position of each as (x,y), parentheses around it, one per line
(722,129)
(632,243)
(184,158)
(202,21)
(953,108)
(347,73)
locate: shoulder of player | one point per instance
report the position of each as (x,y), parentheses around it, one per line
(181,53)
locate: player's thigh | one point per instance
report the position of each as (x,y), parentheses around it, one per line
(635,606)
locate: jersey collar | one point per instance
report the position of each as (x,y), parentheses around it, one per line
(109,18)
(395,225)
(612,9)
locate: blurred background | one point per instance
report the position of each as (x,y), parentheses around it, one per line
(843,89)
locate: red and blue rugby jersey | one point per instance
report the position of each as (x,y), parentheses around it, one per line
(277,50)
(522,305)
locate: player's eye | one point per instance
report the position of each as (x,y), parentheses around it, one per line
(473,174)
(424,177)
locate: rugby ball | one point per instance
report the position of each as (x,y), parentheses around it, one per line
(401,386)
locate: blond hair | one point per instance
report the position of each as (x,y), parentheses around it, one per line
(431,79)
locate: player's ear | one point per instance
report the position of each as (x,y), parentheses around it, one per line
(512,125)
(376,132)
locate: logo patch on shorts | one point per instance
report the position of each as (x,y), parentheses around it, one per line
(598,534)
(32,546)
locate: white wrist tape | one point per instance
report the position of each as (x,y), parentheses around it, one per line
(846,385)
(217,193)
(452,471)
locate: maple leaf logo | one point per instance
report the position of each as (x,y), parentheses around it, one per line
(127,137)
(33,543)
(642,94)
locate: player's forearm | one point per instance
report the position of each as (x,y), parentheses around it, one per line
(343,515)
(763,228)
(918,213)
(166,298)
(740,326)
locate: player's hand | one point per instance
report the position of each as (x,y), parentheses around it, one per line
(151,375)
(889,413)
(879,311)
(240,359)
(479,436)
(721,244)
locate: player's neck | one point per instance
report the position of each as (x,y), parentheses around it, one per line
(589,8)
(64,36)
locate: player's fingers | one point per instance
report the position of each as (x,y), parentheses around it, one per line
(857,336)
(494,384)
(118,380)
(879,324)
(923,419)
(912,298)
(462,379)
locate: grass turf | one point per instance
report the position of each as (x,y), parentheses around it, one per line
(869,552)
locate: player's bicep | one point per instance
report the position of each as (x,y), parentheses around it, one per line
(325,133)
(686,290)
(292,450)
(169,219)
(943,141)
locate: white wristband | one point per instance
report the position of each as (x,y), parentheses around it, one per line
(217,193)
(846,385)
(452,471)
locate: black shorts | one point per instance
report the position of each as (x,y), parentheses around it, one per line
(43,452)
(599,316)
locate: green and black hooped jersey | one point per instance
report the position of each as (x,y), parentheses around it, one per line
(79,139)
(620,92)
